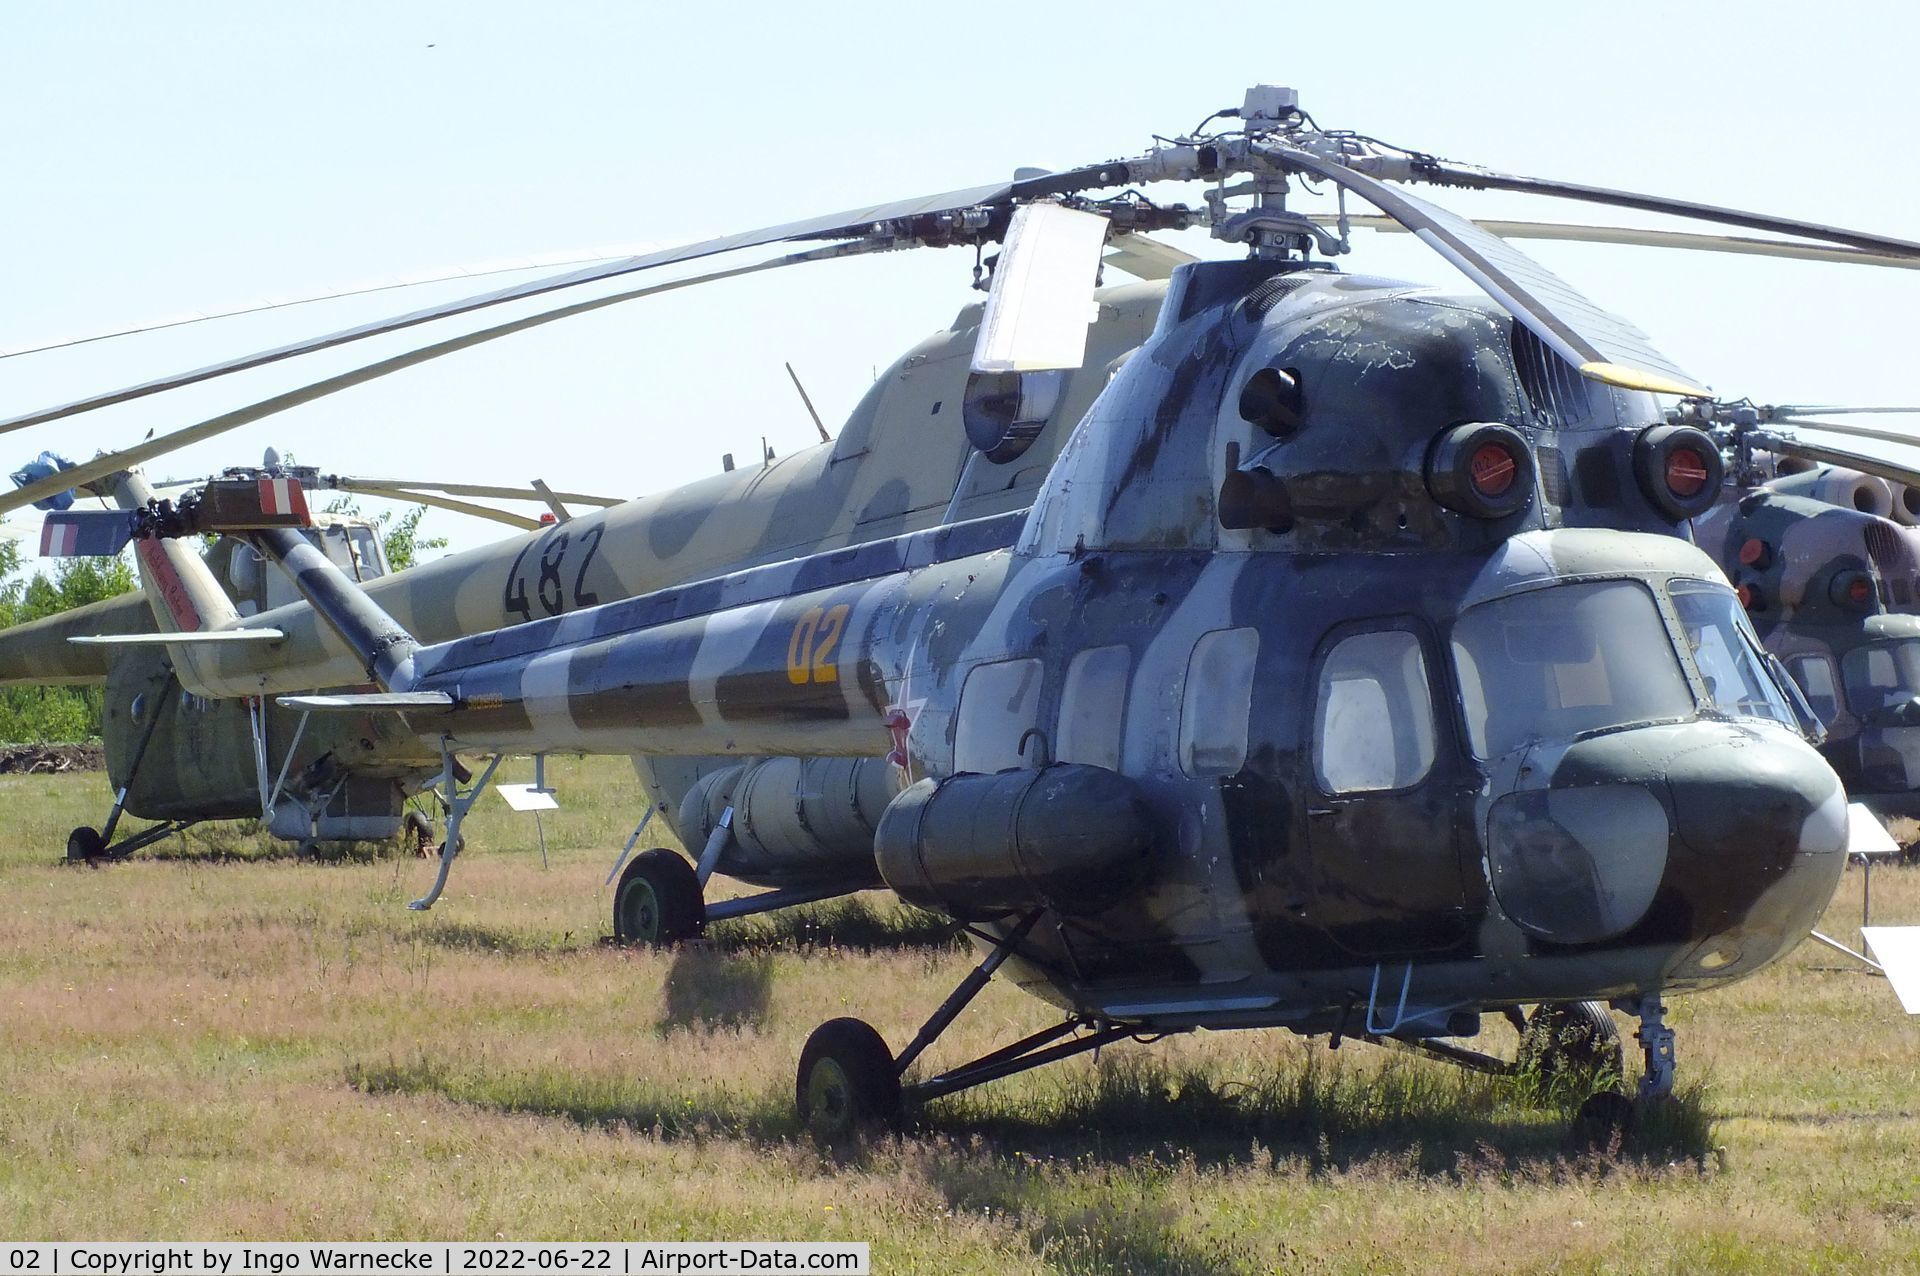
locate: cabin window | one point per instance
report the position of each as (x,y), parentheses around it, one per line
(1883,675)
(998,705)
(1219,695)
(1092,706)
(1817,681)
(1373,725)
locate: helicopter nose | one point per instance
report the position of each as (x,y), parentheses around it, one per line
(1671,836)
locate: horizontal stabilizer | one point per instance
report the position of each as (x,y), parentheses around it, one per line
(1898,948)
(392,701)
(85,533)
(203,637)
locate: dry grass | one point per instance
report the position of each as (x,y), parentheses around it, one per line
(226,1042)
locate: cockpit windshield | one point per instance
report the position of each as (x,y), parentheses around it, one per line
(1726,655)
(1554,663)
(1882,675)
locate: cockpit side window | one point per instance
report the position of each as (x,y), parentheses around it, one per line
(1373,721)
(1725,652)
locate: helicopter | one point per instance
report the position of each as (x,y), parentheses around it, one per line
(1351,671)
(179,759)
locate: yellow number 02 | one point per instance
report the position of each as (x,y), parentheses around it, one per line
(810,649)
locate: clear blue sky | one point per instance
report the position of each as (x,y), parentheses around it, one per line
(168,157)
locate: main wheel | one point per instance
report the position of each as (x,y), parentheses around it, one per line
(658,901)
(85,843)
(1574,1039)
(847,1082)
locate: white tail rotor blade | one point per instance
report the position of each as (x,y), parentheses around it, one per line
(1042,297)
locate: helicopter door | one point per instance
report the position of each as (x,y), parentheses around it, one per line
(1388,798)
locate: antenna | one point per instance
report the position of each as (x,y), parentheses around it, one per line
(817,423)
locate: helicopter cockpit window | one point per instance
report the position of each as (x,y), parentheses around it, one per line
(368,562)
(1883,675)
(1219,696)
(1553,663)
(1817,680)
(1373,728)
(998,706)
(1727,657)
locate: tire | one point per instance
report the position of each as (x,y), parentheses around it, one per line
(1577,1038)
(85,844)
(658,902)
(847,1083)
(1602,1123)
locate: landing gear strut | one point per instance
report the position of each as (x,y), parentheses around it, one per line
(1656,1044)
(849,1082)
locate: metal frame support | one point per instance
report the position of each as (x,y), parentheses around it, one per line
(146,837)
(139,756)
(710,854)
(286,764)
(1022,1056)
(627,850)
(257,728)
(969,989)
(767,901)
(458,804)
(1656,1044)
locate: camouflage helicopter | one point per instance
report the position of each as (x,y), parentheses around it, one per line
(1350,672)
(1827,567)
(179,759)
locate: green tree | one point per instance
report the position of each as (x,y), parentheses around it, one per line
(399,537)
(48,714)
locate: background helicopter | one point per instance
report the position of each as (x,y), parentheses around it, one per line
(1222,858)
(181,759)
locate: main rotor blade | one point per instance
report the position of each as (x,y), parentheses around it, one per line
(101,466)
(1041,301)
(449,503)
(1892,471)
(1602,346)
(1780,410)
(1145,257)
(498,493)
(1639,238)
(283,303)
(1443,173)
(1906,437)
(834,226)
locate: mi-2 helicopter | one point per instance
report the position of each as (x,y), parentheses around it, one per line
(178,759)
(1350,672)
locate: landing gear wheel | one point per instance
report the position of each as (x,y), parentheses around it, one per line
(847,1082)
(1602,1119)
(1576,1039)
(658,901)
(85,843)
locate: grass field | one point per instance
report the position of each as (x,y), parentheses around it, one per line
(219,1041)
